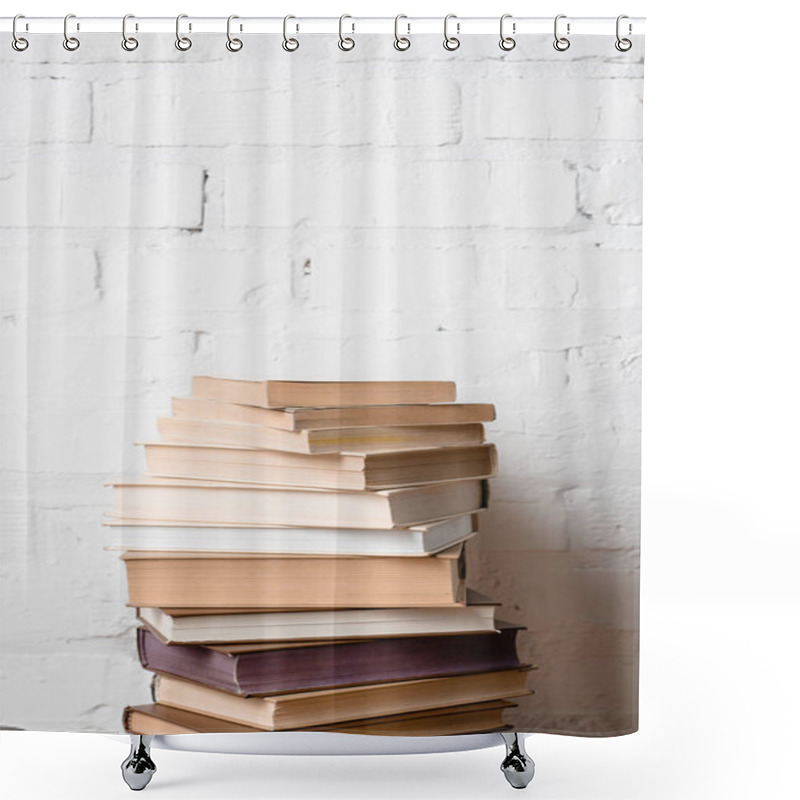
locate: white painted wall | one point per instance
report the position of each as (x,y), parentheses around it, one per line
(474,216)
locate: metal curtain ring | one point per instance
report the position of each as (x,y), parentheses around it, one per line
(345,42)
(561,43)
(181,42)
(233,44)
(19,43)
(623,45)
(70,42)
(401,42)
(507,42)
(289,44)
(451,42)
(129,43)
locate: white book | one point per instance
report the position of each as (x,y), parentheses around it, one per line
(190,501)
(421,540)
(177,628)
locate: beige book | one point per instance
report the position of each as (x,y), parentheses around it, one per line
(296,419)
(189,501)
(330,706)
(331,440)
(283,394)
(354,471)
(157,719)
(232,580)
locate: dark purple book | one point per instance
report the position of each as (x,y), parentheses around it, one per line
(328,665)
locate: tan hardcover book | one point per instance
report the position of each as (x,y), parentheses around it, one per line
(331,706)
(232,580)
(452,721)
(354,471)
(283,394)
(297,419)
(330,440)
(190,501)
(156,719)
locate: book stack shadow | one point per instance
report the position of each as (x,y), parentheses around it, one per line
(296,555)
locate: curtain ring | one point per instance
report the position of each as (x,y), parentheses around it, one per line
(623,45)
(561,43)
(19,43)
(401,42)
(129,43)
(289,44)
(181,42)
(233,44)
(70,42)
(346,43)
(507,42)
(451,42)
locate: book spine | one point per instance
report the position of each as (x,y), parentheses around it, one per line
(126,718)
(378,661)
(193,662)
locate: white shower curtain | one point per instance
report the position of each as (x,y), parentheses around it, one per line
(467,220)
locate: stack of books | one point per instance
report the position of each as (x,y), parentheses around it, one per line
(295,553)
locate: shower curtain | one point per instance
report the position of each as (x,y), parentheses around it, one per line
(321,385)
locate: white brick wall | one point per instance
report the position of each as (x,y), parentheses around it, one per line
(374,214)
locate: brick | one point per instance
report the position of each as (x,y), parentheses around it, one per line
(582,278)
(612,193)
(553,108)
(382,112)
(85,193)
(40,278)
(446,278)
(603,517)
(564,597)
(529,194)
(524,524)
(44,109)
(368,192)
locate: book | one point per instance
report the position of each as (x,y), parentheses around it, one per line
(225,580)
(418,541)
(207,626)
(329,706)
(282,394)
(354,471)
(185,500)
(454,720)
(326,440)
(157,719)
(297,419)
(331,664)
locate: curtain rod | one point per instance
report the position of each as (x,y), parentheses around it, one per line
(459,26)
